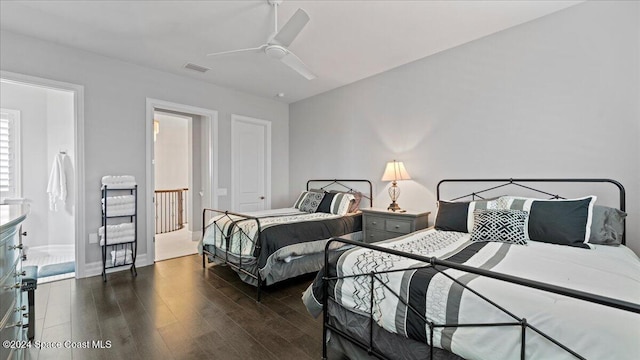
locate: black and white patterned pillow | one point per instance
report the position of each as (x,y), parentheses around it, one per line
(508,226)
(311,202)
(303,196)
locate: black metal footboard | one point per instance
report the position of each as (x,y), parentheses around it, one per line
(232,232)
(439,266)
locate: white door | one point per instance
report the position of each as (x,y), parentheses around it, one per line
(251,161)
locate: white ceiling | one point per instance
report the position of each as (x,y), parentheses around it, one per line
(344,41)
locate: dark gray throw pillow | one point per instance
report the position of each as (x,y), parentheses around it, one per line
(452,216)
(325,204)
(607,226)
(563,222)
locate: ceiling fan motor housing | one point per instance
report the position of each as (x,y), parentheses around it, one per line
(275,51)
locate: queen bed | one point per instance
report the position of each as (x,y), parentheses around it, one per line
(502,278)
(269,246)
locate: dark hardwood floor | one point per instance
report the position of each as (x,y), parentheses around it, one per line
(176,310)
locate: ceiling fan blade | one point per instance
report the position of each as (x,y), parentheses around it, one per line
(292,28)
(258,49)
(294,62)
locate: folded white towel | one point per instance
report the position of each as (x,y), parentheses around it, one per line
(121,185)
(121,257)
(120,200)
(120,212)
(118,179)
(118,230)
(127,208)
(121,206)
(118,239)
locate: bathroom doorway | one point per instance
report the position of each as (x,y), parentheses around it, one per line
(41,118)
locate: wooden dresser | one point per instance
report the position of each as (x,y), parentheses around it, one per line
(381,224)
(11,306)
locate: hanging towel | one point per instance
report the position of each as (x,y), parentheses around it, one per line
(57,187)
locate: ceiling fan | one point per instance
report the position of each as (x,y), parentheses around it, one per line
(277,43)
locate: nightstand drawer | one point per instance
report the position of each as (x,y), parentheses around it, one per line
(398,226)
(375,236)
(375,223)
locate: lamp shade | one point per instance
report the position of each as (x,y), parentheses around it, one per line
(395,171)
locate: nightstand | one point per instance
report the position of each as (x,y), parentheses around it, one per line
(381,224)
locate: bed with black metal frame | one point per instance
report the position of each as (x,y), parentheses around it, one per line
(270,246)
(361,330)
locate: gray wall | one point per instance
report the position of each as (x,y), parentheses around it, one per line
(115,95)
(555,97)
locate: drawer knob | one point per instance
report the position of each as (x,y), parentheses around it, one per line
(18,324)
(16,286)
(374,222)
(397,226)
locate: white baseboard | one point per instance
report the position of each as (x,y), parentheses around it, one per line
(95,268)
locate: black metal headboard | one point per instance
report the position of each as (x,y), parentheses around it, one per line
(521,183)
(344,185)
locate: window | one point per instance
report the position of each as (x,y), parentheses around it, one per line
(9,154)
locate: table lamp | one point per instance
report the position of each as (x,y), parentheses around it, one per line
(395,171)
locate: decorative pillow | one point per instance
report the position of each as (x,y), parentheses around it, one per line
(303,195)
(452,216)
(458,216)
(508,226)
(325,204)
(340,203)
(311,202)
(607,226)
(563,222)
(355,203)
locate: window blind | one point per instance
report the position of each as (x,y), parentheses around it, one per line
(8,154)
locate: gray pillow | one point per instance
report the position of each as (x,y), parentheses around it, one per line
(607,226)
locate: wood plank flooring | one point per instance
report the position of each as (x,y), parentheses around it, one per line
(176,310)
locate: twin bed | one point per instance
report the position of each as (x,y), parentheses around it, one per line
(269,246)
(498,277)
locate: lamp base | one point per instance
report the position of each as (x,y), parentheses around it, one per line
(393,206)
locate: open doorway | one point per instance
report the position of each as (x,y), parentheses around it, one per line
(42,167)
(175,183)
(181,174)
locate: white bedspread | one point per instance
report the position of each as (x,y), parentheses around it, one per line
(593,331)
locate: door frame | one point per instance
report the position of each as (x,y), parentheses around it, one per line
(78,135)
(267,164)
(210,122)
